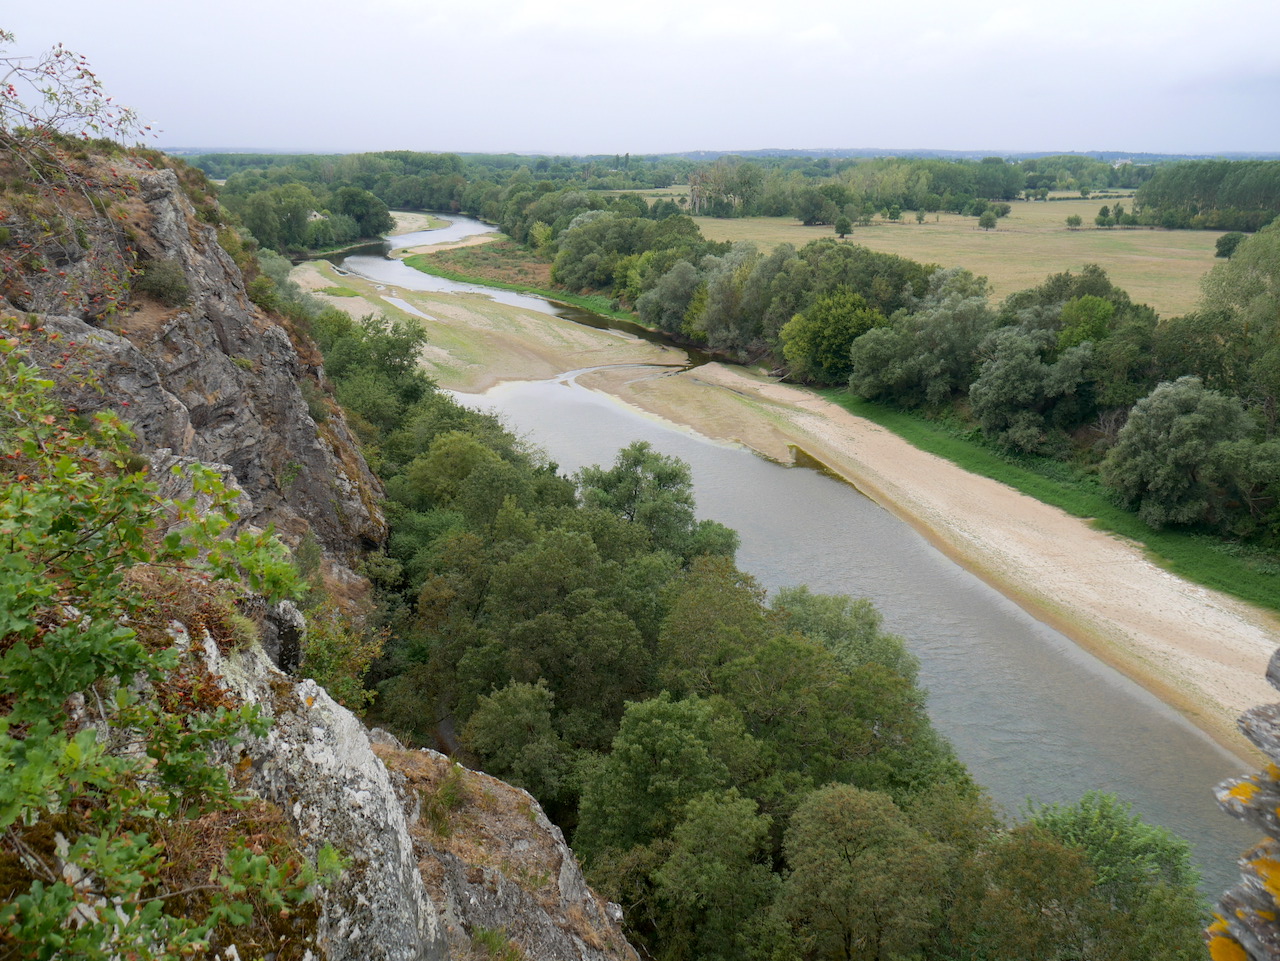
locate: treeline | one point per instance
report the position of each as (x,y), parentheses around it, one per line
(406,179)
(1053,371)
(1213,194)
(290,217)
(750,777)
(1177,418)
(817,192)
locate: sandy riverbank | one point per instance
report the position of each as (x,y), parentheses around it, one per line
(1197,650)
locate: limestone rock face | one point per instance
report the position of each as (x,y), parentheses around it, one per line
(489,855)
(317,764)
(438,856)
(1246,924)
(215,379)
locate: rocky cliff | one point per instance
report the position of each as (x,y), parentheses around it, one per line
(440,862)
(193,365)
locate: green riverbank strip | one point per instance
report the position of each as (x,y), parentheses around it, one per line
(1234,569)
(596,304)
(1231,568)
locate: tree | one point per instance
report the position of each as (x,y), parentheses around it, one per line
(1226,245)
(1129,856)
(1166,463)
(1029,895)
(717,878)
(987,220)
(1142,873)
(816,343)
(665,754)
(655,491)
(1025,397)
(850,629)
(928,356)
(1086,318)
(1074,221)
(843,226)
(863,883)
(511,733)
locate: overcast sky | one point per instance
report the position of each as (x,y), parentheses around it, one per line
(652,76)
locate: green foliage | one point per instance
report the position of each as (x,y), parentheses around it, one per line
(928,356)
(717,878)
(655,492)
(1167,462)
(863,883)
(850,629)
(1226,245)
(512,730)
(337,654)
(166,281)
(75,516)
(1128,856)
(816,343)
(1085,318)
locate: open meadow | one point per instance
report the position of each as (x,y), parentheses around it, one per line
(1162,268)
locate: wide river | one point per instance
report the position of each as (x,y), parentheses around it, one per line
(1033,716)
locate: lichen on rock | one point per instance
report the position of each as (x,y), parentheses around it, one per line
(1247,922)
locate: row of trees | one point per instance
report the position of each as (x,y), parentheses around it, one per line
(1213,194)
(1179,417)
(733,187)
(750,777)
(292,216)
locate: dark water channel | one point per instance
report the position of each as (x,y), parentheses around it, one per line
(1032,715)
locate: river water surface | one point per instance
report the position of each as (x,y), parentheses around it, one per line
(1032,715)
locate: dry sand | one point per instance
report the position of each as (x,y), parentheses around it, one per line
(1199,651)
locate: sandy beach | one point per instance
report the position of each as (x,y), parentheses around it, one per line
(1199,651)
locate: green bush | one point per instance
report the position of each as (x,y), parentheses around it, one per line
(165,281)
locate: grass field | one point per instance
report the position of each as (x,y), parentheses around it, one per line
(1157,267)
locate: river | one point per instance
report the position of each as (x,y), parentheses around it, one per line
(1032,715)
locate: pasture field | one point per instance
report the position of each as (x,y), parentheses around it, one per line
(1162,268)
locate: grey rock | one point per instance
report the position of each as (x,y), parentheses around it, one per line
(215,380)
(317,764)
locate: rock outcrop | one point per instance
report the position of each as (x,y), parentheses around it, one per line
(1247,923)
(439,857)
(489,855)
(215,378)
